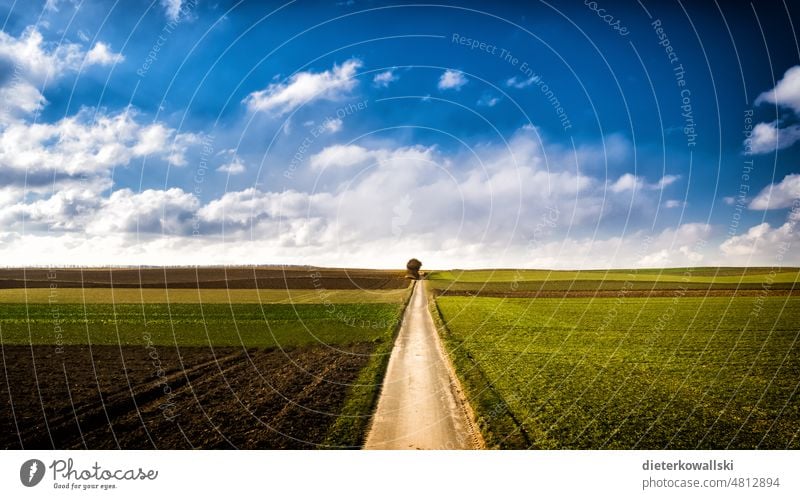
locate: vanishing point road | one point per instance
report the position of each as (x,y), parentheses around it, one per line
(421,405)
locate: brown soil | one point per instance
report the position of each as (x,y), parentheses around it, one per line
(204,277)
(109,397)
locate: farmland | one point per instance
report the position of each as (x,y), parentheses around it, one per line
(208,296)
(599,283)
(181,363)
(636,370)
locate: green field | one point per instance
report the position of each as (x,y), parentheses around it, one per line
(627,372)
(696,274)
(505,281)
(155,295)
(186,324)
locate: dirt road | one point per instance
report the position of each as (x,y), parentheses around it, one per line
(420,406)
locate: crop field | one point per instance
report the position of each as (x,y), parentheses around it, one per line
(203,278)
(629,371)
(166,366)
(703,281)
(246,325)
(206,296)
(693,274)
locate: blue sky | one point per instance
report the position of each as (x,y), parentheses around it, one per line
(558,135)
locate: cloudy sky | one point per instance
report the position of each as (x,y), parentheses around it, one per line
(361,133)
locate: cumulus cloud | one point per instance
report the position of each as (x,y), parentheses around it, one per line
(770,137)
(340,156)
(124,212)
(31,63)
(786,93)
(488,100)
(18,100)
(333,125)
(304,87)
(172,8)
(88,142)
(452,79)
(780,195)
(510,208)
(167,211)
(631,182)
(101,54)
(67,209)
(384,78)
(764,243)
(31,56)
(234,167)
(343,156)
(53,175)
(515,82)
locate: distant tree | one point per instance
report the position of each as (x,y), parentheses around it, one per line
(412,268)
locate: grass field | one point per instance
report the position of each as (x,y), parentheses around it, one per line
(628,372)
(187,325)
(294,366)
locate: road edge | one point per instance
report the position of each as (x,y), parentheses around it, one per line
(475,435)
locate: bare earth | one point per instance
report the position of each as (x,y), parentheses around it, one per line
(421,405)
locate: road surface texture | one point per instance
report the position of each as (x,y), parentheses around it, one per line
(421,405)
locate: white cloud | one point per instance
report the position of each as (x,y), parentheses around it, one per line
(627,182)
(344,156)
(18,100)
(102,55)
(36,60)
(764,243)
(127,212)
(123,213)
(305,87)
(384,78)
(88,143)
(67,209)
(452,79)
(683,245)
(495,211)
(780,195)
(666,180)
(488,100)
(32,63)
(51,6)
(631,182)
(340,156)
(76,154)
(515,82)
(233,167)
(786,93)
(767,137)
(333,125)
(172,8)
(674,203)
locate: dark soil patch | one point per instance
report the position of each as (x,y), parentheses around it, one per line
(111,397)
(205,278)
